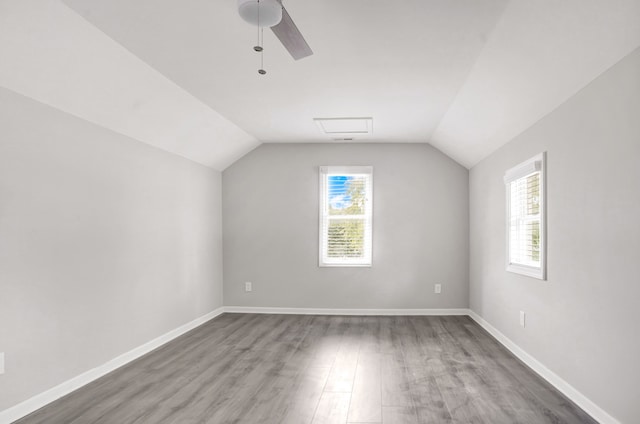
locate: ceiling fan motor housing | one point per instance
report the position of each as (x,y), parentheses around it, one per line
(263,13)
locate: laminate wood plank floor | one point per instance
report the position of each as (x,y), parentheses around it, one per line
(305,369)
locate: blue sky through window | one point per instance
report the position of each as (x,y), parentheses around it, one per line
(338,198)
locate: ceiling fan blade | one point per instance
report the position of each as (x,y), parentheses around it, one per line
(291,38)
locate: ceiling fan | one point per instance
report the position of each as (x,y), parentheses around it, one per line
(272,14)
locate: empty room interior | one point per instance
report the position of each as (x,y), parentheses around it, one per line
(319,212)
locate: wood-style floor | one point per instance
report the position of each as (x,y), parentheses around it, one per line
(244,368)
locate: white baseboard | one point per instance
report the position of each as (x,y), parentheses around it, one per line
(568,390)
(332,311)
(30,405)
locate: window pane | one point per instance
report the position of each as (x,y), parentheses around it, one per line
(533,242)
(533,194)
(345,238)
(525,217)
(524,221)
(345,215)
(346,195)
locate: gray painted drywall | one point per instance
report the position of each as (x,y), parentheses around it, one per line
(105,244)
(420,229)
(582,322)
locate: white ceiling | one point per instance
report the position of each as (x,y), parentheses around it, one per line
(51,54)
(463,75)
(541,53)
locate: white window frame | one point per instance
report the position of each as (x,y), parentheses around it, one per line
(324,173)
(523,170)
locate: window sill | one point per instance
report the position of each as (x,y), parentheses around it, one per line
(528,271)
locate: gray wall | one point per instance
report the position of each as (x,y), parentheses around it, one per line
(420,235)
(582,323)
(105,244)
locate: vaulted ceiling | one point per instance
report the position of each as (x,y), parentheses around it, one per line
(463,75)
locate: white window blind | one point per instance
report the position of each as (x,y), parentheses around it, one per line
(526,218)
(346,225)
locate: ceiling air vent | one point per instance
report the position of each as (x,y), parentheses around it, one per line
(345,129)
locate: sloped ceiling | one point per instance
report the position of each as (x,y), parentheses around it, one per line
(541,53)
(51,54)
(465,76)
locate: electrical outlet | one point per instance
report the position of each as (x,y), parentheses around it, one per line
(522,318)
(248,286)
(438,288)
(1,362)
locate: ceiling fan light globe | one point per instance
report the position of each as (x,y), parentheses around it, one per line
(270,12)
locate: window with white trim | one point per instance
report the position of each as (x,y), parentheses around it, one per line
(526,218)
(346,206)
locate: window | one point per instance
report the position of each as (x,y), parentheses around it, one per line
(345,215)
(526,231)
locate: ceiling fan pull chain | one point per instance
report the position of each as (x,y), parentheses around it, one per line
(258,47)
(261,71)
